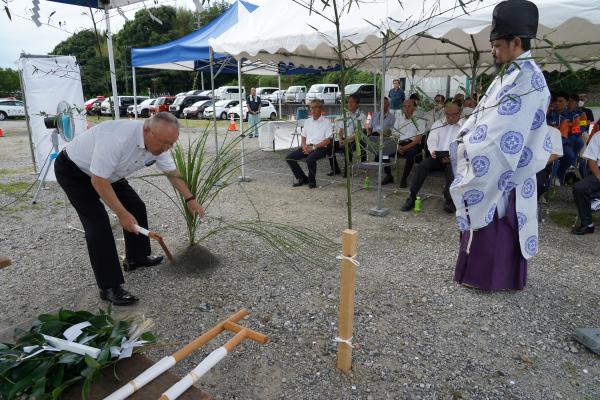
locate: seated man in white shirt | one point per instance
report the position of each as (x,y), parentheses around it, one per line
(410,129)
(438,143)
(543,177)
(354,119)
(585,188)
(315,144)
(94,167)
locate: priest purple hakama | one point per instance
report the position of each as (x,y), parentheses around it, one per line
(496,156)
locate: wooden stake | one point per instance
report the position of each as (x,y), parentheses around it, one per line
(348,282)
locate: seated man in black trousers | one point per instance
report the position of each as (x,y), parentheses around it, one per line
(315,144)
(585,188)
(438,142)
(354,119)
(94,167)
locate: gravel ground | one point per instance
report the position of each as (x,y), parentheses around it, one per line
(421,336)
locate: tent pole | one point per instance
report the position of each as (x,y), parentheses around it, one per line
(448,87)
(202,79)
(379,211)
(35,169)
(134,92)
(279,93)
(242,178)
(212,88)
(375,92)
(111,62)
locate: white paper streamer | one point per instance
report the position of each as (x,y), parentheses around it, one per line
(75,331)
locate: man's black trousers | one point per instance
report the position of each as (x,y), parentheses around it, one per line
(582,193)
(96,224)
(427,166)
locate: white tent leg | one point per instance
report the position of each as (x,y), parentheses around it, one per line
(379,211)
(243,177)
(202,79)
(35,169)
(111,62)
(134,93)
(279,93)
(375,92)
(212,88)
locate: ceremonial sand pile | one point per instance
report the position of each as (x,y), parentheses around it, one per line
(420,336)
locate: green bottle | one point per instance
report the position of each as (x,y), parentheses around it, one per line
(418,205)
(552,193)
(366,184)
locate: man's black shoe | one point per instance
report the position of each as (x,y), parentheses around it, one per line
(149,261)
(582,230)
(118,296)
(403,183)
(387,179)
(409,204)
(312,185)
(300,183)
(449,206)
(332,173)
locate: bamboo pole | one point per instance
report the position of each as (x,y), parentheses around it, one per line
(348,281)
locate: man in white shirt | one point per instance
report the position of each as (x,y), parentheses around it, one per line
(410,129)
(588,187)
(438,143)
(543,177)
(94,167)
(315,144)
(355,120)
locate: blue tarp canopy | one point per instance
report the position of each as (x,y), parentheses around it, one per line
(181,53)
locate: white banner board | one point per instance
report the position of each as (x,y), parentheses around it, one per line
(46,82)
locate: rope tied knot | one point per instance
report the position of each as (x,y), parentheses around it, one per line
(352,259)
(347,342)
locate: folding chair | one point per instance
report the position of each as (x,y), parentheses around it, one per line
(390,148)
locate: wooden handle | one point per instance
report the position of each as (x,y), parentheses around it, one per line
(209,335)
(4,262)
(250,334)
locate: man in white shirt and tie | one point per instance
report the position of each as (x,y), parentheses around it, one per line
(93,168)
(438,143)
(315,144)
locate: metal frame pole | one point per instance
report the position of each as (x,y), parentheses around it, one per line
(243,177)
(379,211)
(111,62)
(212,88)
(134,93)
(27,120)
(279,93)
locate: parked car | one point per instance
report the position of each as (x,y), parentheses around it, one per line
(326,92)
(194,93)
(275,97)
(90,107)
(364,91)
(229,93)
(264,91)
(143,108)
(182,102)
(123,103)
(267,110)
(222,107)
(207,93)
(161,104)
(11,108)
(295,94)
(196,110)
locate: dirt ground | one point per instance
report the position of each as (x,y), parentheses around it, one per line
(420,335)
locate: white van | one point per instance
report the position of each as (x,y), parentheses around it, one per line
(229,93)
(326,92)
(295,94)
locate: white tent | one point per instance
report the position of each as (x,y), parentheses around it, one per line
(418,27)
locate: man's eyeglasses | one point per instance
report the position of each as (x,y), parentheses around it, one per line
(452,114)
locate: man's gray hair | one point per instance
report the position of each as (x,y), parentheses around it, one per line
(162,116)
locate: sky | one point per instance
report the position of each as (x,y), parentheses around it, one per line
(22,35)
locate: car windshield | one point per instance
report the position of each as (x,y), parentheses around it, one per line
(160,100)
(352,88)
(316,89)
(179,100)
(201,103)
(294,89)
(146,102)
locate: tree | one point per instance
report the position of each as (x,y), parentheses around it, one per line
(9,82)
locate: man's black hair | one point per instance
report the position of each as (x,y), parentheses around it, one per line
(355,97)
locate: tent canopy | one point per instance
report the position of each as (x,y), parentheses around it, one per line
(181,53)
(99,3)
(307,39)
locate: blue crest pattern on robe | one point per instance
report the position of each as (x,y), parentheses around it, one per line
(502,146)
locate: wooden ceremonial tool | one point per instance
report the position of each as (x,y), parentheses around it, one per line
(4,262)
(348,282)
(158,238)
(213,358)
(169,361)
